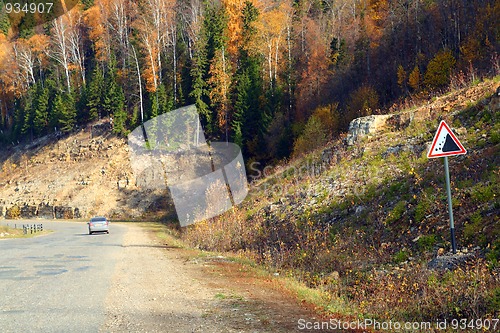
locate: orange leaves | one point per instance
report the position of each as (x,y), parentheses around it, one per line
(234,9)
(97,32)
(316,62)
(219,82)
(7,66)
(378,11)
(156,28)
(39,43)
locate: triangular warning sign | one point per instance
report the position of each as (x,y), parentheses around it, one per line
(445,143)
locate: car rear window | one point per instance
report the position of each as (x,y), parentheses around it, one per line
(98,219)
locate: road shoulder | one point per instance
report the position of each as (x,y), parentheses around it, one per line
(160,287)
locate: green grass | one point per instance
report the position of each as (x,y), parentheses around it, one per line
(426,242)
(483,193)
(401,256)
(397,212)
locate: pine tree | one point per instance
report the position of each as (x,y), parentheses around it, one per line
(28,103)
(198,75)
(94,94)
(4,20)
(114,97)
(41,112)
(64,112)
(249,119)
(439,69)
(119,112)
(113,103)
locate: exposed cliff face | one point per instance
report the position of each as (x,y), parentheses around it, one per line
(87,173)
(364,126)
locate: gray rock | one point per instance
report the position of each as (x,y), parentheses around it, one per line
(360,209)
(61,212)
(361,127)
(326,156)
(45,211)
(450,261)
(28,212)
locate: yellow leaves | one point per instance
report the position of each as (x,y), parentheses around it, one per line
(7,67)
(235,24)
(93,19)
(220,81)
(271,27)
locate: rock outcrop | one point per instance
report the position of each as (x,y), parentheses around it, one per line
(42,210)
(364,126)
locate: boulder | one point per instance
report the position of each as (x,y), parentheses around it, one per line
(327,156)
(451,261)
(45,211)
(61,212)
(28,212)
(364,126)
(77,214)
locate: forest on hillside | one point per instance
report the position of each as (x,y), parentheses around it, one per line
(278,77)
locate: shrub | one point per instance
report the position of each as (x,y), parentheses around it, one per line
(314,136)
(401,256)
(439,69)
(415,79)
(396,212)
(14,212)
(421,210)
(425,243)
(362,102)
(483,193)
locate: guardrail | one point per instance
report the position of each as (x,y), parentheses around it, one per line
(28,228)
(33,228)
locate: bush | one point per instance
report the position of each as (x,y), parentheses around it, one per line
(397,212)
(362,102)
(439,69)
(425,243)
(315,135)
(14,212)
(401,256)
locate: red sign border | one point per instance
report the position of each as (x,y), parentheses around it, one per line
(462,150)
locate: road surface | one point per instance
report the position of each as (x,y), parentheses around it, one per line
(57,282)
(130,281)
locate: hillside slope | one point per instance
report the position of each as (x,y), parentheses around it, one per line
(75,176)
(364,223)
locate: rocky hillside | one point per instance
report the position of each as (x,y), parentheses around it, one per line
(365,220)
(84,174)
(88,172)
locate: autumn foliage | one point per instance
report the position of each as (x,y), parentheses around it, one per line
(257,70)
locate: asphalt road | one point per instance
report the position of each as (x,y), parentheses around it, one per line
(57,282)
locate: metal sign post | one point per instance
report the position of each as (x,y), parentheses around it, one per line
(446,144)
(450,208)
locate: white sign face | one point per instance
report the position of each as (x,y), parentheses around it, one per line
(445,143)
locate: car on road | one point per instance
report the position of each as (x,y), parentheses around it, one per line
(98,224)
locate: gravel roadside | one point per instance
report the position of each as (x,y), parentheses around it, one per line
(156,289)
